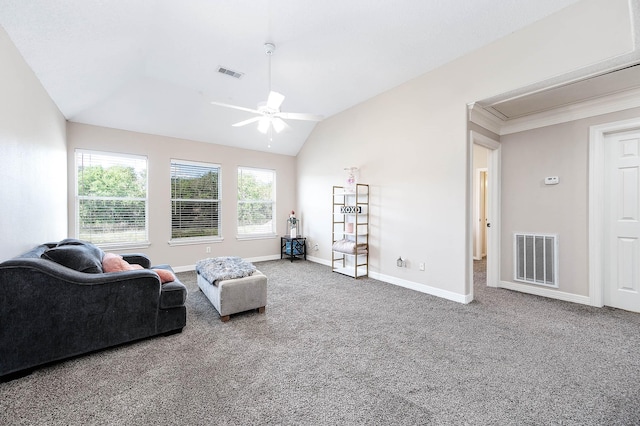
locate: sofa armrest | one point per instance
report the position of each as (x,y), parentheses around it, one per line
(138,259)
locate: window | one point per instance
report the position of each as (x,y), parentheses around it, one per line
(195,200)
(256,202)
(111,198)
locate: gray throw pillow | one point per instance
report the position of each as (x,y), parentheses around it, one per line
(80,257)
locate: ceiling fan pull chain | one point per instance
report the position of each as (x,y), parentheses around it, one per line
(269,74)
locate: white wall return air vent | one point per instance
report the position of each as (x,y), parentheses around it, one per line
(536,259)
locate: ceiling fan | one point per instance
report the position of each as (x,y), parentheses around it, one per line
(269,115)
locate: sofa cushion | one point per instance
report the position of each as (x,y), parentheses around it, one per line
(80,257)
(91,248)
(173,295)
(74,242)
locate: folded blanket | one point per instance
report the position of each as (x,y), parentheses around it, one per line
(224,268)
(349,247)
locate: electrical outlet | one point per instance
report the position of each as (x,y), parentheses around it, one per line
(208,249)
(421,266)
(315,247)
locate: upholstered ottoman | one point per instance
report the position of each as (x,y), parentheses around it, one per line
(232,295)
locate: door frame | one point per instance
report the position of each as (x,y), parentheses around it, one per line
(597,215)
(493,207)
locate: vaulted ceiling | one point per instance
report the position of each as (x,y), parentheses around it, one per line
(151,66)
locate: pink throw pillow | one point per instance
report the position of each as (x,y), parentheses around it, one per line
(112,262)
(165,276)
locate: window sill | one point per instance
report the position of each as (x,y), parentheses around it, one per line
(256,237)
(124,246)
(194,241)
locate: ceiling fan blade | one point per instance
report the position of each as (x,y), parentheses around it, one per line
(274,100)
(300,116)
(236,107)
(245,122)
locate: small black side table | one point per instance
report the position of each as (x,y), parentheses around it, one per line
(294,248)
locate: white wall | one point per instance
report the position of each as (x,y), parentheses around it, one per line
(33,189)
(411,144)
(159,151)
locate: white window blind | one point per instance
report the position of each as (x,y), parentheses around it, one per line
(111,198)
(256,201)
(195,200)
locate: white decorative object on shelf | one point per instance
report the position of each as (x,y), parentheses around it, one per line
(350,209)
(351,179)
(293,224)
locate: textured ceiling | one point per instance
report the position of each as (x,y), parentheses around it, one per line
(151,65)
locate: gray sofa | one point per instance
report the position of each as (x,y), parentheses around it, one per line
(55,303)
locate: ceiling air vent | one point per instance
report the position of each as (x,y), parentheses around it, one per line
(231,73)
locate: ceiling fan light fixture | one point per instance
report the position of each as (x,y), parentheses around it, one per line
(278,124)
(263,125)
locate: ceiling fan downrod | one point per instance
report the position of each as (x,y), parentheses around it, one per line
(269,48)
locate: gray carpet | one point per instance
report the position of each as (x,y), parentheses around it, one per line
(333,350)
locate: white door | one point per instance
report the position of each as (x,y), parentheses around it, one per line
(622,221)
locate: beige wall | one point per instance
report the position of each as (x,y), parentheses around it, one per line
(411,144)
(159,151)
(33,189)
(530,206)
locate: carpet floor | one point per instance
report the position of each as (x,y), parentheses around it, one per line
(334,350)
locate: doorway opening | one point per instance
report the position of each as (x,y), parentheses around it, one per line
(485,207)
(480,209)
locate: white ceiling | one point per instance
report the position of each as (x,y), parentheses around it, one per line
(151,65)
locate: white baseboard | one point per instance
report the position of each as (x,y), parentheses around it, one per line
(422,288)
(545,292)
(184,268)
(319,260)
(188,268)
(263,258)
